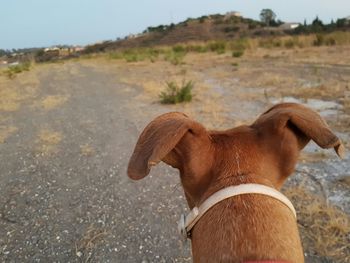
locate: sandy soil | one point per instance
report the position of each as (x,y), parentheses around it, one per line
(68,129)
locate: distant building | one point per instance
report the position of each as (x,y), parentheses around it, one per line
(289,26)
(233,13)
(77,49)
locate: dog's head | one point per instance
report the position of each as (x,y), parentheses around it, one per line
(266,150)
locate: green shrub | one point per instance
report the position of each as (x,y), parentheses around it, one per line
(239,44)
(175,94)
(179,48)
(175,58)
(197,48)
(237,53)
(137,54)
(218,47)
(16,69)
(270,42)
(115,55)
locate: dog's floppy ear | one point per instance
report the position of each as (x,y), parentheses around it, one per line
(307,121)
(157,140)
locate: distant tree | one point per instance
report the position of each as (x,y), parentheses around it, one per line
(317,22)
(317,25)
(267,16)
(276,23)
(2,52)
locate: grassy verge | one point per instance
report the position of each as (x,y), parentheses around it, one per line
(324,228)
(12,71)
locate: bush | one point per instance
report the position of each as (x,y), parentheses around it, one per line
(175,94)
(115,55)
(13,70)
(179,48)
(217,46)
(237,53)
(239,44)
(196,48)
(175,58)
(137,54)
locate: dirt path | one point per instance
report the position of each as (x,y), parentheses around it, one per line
(66,135)
(64,193)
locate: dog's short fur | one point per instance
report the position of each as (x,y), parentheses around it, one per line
(246,227)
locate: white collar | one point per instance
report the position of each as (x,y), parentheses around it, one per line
(186,223)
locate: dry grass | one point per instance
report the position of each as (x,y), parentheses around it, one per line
(48,141)
(6,131)
(51,102)
(85,246)
(324,228)
(86,150)
(15,92)
(9,99)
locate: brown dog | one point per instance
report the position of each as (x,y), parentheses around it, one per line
(249,227)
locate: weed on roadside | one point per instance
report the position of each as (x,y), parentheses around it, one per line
(175,94)
(16,69)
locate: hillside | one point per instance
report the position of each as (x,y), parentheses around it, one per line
(216,27)
(205,28)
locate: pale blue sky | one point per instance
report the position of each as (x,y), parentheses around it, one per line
(39,23)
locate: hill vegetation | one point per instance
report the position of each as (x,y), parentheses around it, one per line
(217,27)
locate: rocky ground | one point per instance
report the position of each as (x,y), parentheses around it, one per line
(68,129)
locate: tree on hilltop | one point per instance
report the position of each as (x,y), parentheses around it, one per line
(267,16)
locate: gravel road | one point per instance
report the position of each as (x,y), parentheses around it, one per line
(64,193)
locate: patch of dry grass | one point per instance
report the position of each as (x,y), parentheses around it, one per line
(324,228)
(14,92)
(51,102)
(85,246)
(48,141)
(274,80)
(6,131)
(86,150)
(9,99)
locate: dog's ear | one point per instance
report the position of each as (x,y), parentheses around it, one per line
(308,122)
(158,139)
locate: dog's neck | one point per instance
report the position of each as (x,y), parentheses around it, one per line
(233,180)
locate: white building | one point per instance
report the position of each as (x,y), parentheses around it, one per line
(289,26)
